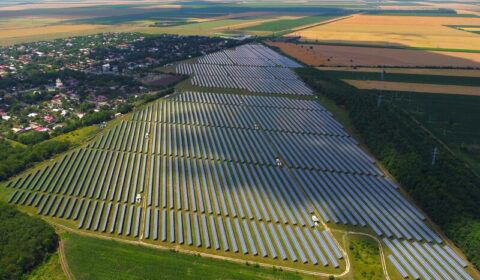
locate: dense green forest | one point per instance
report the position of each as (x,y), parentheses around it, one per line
(447,190)
(15,158)
(24,242)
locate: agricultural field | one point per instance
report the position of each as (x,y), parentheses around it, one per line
(429,32)
(411,71)
(450,82)
(414,87)
(167,175)
(26,33)
(49,20)
(332,55)
(288,24)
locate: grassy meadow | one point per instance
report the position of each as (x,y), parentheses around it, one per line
(365,257)
(114,260)
(50,270)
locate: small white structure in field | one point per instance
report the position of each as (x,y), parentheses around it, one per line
(315,220)
(147,134)
(58,83)
(257,126)
(278,162)
(139,198)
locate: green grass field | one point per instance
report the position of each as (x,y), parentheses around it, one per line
(287,24)
(79,136)
(50,270)
(114,260)
(365,257)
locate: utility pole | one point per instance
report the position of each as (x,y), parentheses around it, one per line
(380,95)
(434,155)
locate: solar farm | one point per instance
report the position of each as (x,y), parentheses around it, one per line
(254,68)
(243,176)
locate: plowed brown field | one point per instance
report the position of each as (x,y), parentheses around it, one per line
(323,55)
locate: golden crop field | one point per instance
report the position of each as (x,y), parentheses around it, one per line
(415,87)
(413,31)
(70,4)
(20,32)
(30,33)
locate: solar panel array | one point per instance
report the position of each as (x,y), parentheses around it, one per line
(197,187)
(248,55)
(239,175)
(253,67)
(198,190)
(416,260)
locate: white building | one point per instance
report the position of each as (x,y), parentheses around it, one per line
(58,83)
(106,67)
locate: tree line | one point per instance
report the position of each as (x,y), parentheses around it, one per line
(25,242)
(447,190)
(15,158)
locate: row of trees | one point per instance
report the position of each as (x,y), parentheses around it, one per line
(14,159)
(25,242)
(447,190)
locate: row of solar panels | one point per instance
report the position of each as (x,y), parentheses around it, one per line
(246,191)
(177,227)
(236,72)
(247,100)
(254,192)
(328,153)
(426,261)
(248,55)
(365,200)
(258,85)
(234,190)
(242,236)
(127,136)
(89,173)
(274,119)
(322,152)
(208,142)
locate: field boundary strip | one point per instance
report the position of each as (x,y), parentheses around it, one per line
(300,28)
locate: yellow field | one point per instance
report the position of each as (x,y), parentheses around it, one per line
(10,36)
(414,71)
(473,29)
(69,4)
(415,87)
(21,32)
(428,32)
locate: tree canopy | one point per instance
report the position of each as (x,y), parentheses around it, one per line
(25,242)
